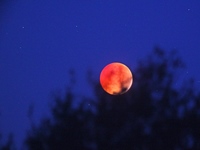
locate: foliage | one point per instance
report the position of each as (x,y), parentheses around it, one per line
(154,114)
(9,145)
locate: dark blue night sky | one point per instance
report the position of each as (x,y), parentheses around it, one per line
(40,41)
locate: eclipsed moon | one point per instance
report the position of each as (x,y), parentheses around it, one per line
(116,78)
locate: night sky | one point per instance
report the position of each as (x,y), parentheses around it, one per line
(40,41)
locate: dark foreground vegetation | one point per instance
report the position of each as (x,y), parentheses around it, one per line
(159,112)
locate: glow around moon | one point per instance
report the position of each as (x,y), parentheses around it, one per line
(116,78)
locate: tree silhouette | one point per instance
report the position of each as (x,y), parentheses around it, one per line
(9,145)
(68,127)
(154,114)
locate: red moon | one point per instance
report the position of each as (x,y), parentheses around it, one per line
(116,78)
